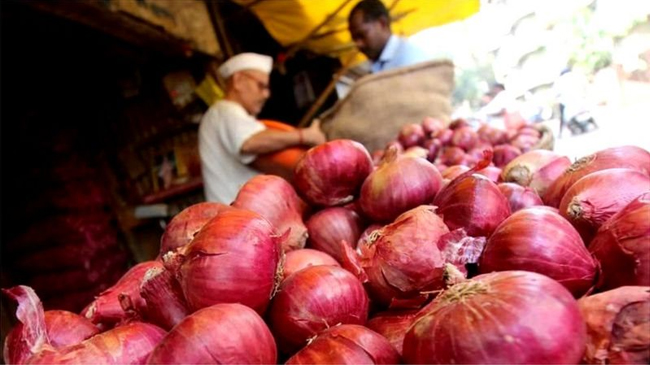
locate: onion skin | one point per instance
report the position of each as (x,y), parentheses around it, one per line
(274,198)
(537,169)
(66,328)
(505,153)
(220,334)
(618,324)
(595,198)
(404,259)
(313,299)
(393,325)
(520,197)
(182,228)
(331,225)
(398,184)
(233,259)
(622,246)
(541,241)
(630,157)
(347,344)
(332,173)
(166,304)
(106,309)
(299,259)
(512,317)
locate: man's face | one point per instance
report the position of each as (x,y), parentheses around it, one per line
(369,37)
(254,90)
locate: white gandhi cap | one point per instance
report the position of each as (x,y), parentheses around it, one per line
(246,61)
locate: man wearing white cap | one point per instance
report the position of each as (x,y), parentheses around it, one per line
(230,138)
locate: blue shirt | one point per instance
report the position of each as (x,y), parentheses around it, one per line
(398,52)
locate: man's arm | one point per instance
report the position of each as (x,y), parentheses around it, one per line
(273,140)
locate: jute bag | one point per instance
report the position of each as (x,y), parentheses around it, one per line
(378,105)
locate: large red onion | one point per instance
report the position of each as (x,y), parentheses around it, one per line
(505,153)
(473,202)
(166,304)
(233,259)
(220,334)
(274,198)
(331,225)
(595,198)
(520,197)
(451,156)
(398,184)
(541,241)
(537,169)
(512,317)
(312,300)
(411,135)
(432,126)
(622,246)
(182,228)
(106,308)
(465,138)
(630,157)
(403,259)
(299,259)
(347,344)
(332,173)
(393,325)
(618,326)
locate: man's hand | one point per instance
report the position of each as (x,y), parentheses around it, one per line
(313,135)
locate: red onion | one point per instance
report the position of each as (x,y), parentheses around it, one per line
(417,151)
(394,144)
(432,126)
(458,123)
(452,156)
(630,157)
(313,299)
(166,304)
(537,169)
(519,197)
(499,318)
(595,198)
(505,153)
(473,202)
(465,138)
(491,173)
(493,136)
(529,131)
(233,259)
(399,184)
(393,325)
(347,344)
(106,308)
(219,334)
(306,257)
(474,155)
(445,136)
(453,172)
(403,259)
(440,166)
(617,326)
(541,241)
(622,246)
(182,228)
(128,344)
(524,142)
(411,135)
(433,146)
(331,225)
(332,173)
(274,198)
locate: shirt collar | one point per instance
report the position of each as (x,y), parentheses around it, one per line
(388,53)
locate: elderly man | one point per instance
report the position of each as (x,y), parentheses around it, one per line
(230,138)
(369,25)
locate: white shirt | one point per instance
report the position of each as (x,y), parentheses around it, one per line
(224,129)
(398,52)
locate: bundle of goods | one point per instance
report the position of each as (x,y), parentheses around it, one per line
(384,263)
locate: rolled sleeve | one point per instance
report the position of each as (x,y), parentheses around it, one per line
(237,133)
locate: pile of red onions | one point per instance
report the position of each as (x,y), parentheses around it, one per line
(330,226)
(313,299)
(299,259)
(332,173)
(499,318)
(541,241)
(399,183)
(233,259)
(220,334)
(182,228)
(274,198)
(618,324)
(595,198)
(347,344)
(622,246)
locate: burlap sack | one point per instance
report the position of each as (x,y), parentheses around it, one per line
(378,105)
